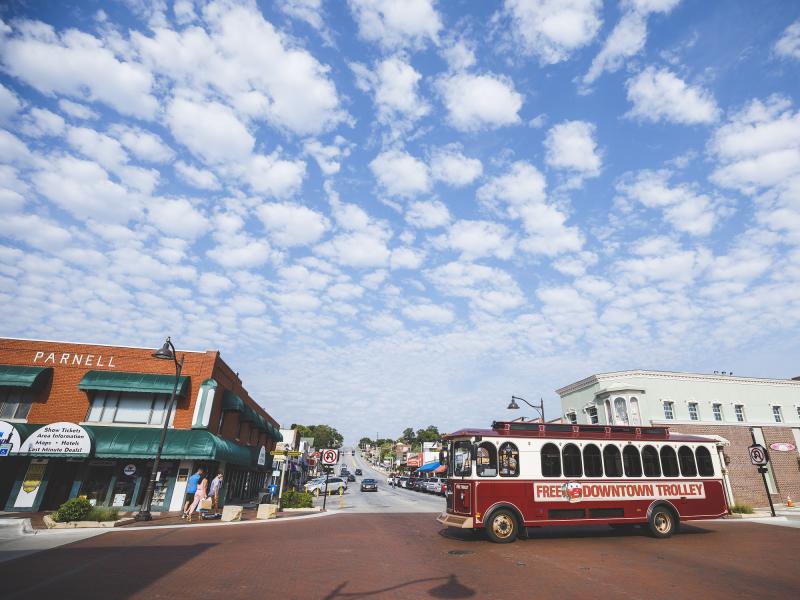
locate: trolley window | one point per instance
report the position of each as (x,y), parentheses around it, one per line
(592,462)
(571,457)
(632,462)
(704,463)
(686,460)
(551,461)
(652,468)
(612,461)
(669,462)
(462,461)
(509,460)
(486,464)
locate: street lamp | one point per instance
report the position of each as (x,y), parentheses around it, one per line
(166,352)
(514,406)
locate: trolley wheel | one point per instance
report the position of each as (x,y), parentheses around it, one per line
(502,526)
(663,522)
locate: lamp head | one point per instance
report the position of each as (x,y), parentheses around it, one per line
(165,352)
(513,405)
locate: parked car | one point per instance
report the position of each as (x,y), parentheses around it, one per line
(358,472)
(402,482)
(317,486)
(369,485)
(432,485)
(351,477)
(442,488)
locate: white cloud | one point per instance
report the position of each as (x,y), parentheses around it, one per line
(329,158)
(448,164)
(48,235)
(475,239)
(144,145)
(309,11)
(400,174)
(211,130)
(292,224)
(357,249)
(384,323)
(430,313)
(788,45)
(488,288)
(13,149)
(571,145)
(477,102)
(213,284)
(659,95)
(428,214)
(553,29)
(255,67)
(406,258)
(393,24)
(9,103)
(76,110)
(42,122)
(243,253)
(627,38)
(105,150)
(459,55)
(78,65)
(394,85)
(274,176)
(177,217)
(198,178)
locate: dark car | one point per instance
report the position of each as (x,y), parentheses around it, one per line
(351,477)
(358,472)
(369,485)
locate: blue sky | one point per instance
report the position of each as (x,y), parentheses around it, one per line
(388,214)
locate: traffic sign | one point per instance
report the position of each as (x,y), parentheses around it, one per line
(278,452)
(758,454)
(330,456)
(295,453)
(783,446)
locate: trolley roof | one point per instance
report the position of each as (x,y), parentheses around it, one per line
(568,431)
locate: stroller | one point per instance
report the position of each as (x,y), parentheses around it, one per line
(206,510)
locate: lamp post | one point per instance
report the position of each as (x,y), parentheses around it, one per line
(166,352)
(514,406)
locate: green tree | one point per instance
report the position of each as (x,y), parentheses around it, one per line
(408,435)
(429,434)
(364,441)
(324,436)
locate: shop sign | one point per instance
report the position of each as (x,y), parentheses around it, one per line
(262,456)
(782,446)
(9,439)
(74,360)
(33,476)
(61,439)
(119,500)
(129,470)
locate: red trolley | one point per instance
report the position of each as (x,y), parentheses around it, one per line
(518,475)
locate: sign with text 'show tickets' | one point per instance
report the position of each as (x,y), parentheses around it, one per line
(330,457)
(58,439)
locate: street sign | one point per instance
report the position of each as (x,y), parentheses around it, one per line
(278,452)
(279,458)
(758,454)
(295,453)
(330,457)
(782,446)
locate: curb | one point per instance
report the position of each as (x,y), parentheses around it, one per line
(189,526)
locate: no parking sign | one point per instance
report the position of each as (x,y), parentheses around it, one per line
(330,456)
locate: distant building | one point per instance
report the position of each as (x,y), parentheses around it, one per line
(717,404)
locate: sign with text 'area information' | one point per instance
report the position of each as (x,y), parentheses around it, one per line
(58,439)
(330,456)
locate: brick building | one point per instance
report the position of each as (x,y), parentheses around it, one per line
(86,420)
(735,409)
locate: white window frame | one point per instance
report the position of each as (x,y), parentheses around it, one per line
(716,411)
(777,413)
(669,410)
(694,411)
(591,413)
(572,417)
(738,410)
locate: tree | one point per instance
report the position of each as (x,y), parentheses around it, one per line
(364,442)
(324,436)
(408,435)
(429,434)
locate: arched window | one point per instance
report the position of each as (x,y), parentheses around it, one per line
(652,468)
(704,463)
(486,465)
(592,462)
(509,460)
(612,461)
(686,460)
(635,419)
(669,462)
(571,457)
(551,461)
(609,414)
(620,411)
(631,461)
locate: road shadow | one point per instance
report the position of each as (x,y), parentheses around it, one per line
(109,572)
(449,587)
(567,532)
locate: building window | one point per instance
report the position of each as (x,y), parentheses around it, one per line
(609,414)
(669,410)
(15,403)
(592,461)
(739,409)
(551,461)
(777,414)
(620,411)
(592,412)
(571,457)
(612,461)
(635,419)
(717,410)
(509,460)
(487,460)
(572,418)
(693,415)
(127,407)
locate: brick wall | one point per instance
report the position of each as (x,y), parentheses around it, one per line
(747,484)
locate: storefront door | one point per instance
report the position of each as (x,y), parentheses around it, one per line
(10,467)
(97,481)
(60,477)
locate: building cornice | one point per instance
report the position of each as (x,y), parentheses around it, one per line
(73,343)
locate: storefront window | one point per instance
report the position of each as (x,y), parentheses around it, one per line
(487,460)
(95,484)
(15,403)
(509,460)
(127,407)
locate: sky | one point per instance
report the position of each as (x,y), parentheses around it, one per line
(390,214)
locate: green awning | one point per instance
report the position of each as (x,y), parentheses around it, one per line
(133,382)
(249,415)
(142,442)
(231,401)
(24,377)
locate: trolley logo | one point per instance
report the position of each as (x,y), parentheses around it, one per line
(575,491)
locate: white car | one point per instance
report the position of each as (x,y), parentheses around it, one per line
(317,486)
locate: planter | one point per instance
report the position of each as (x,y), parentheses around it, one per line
(51,524)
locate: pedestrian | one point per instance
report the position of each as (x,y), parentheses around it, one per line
(215,490)
(191,489)
(200,494)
